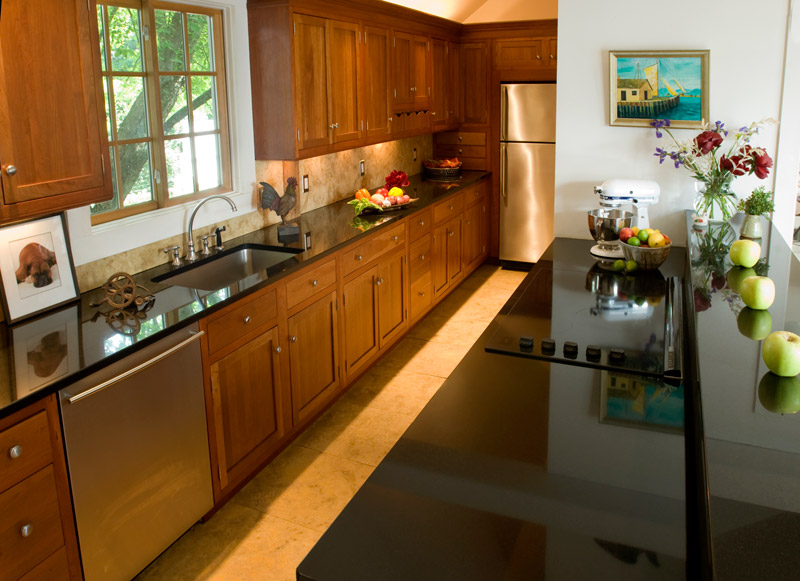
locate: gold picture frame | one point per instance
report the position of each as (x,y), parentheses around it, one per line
(660,84)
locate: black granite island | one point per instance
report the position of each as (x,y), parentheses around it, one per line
(524,468)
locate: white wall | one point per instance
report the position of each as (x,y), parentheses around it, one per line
(746,74)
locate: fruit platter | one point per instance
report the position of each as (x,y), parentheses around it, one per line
(388,198)
(442,169)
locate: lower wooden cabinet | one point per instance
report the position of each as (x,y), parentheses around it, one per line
(476,228)
(446,264)
(314,357)
(245,392)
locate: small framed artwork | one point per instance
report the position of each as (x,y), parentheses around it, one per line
(45,350)
(640,402)
(35,267)
(648,85)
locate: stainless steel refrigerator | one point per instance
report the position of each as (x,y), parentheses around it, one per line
(527,170)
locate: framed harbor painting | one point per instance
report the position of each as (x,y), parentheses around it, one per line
(648,85)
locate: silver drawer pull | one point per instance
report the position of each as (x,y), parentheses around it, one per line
(294,339)
(359,257)
(278,349)
(394,238)
(11,170)
(422,257)
(451,206)
(26,530)
(422,293)
(314,283)
(15,451)
(422,222)
(379,281)
(246,319)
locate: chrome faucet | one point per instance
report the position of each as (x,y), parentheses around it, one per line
(191,255)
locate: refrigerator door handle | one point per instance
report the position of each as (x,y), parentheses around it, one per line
(503,170)
(504,114)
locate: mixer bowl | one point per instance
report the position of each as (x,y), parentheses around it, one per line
(605,223)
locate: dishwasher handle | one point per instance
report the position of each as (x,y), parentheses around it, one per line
(134,370)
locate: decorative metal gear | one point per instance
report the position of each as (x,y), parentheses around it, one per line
(128,305)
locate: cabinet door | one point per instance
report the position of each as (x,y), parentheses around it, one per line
(439,260)
(474,83)
(454,235)
(52,121)
(392,308)
(311,81)
(440,83)
(244,389)
(455,84)
(343,80)
(402,50)
(377,62)
(313,357)
(473,235)
(552,54)
(420,73)
(360,320)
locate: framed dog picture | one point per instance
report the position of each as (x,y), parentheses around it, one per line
(36,267)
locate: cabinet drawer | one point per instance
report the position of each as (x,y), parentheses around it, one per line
(460,138)
(443,211)
(24,449)
(53,568)
(419,258)
(421,294)
(419,224)
(243,317)
(32,503)
(460,151)
(378,245)
(474,195)
(518,53)
(315,281)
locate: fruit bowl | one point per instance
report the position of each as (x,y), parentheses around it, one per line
(646,258)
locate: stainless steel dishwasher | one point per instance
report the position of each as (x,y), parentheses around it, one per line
(138,457)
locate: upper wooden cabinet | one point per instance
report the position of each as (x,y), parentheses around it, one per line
(377,86)
(53,144)
(411,72)
(475,83)
(525,53)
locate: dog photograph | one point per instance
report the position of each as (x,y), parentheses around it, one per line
(35,267)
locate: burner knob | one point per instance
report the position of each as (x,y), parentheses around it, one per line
(593,353)
(616,356)
(570,349)
(548,347)
(526,344)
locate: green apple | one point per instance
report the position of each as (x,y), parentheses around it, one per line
(780,395)
(745,253)
(754,324)
(758,292)
(737,274)
(781,353)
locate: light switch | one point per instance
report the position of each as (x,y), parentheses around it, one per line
(305,183)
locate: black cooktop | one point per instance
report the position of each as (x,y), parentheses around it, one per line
(595,318)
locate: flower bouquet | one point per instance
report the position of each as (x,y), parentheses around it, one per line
(715,165)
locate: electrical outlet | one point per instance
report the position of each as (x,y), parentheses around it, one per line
(305,183)
(362,168)
(415,153)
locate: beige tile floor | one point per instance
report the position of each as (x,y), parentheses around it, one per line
(268,527)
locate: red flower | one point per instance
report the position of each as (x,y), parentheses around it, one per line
(761,163)
(736,164)
(718,281)
(707,141)
(701,302)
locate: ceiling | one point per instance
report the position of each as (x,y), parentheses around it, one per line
(457,10)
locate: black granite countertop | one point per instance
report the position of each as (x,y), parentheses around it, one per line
(752,450)
(516,470)
(43,355)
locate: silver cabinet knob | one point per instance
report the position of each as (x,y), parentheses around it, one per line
(359,257)
(11,170)
(459,137)
(26,530)
(246,319)
(422,257)
(538,58)
(460,151)
(15,451)
(451,233)
(422,293)
(394,238)
(379,281)
(293,339)
(278,349)
(451,206)
(314,283)
(422,222)
(468,222)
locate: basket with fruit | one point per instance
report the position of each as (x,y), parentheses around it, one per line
(647,247)
(442,169)
(381,200)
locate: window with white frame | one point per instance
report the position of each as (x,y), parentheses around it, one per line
(164,84)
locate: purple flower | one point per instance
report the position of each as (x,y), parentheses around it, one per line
(719,127)
(658,124)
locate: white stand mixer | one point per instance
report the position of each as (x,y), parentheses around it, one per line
(605,223)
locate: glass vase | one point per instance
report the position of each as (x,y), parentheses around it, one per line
(716,203)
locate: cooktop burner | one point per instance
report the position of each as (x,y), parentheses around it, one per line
(599,318)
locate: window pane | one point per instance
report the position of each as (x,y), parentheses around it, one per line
(137,176)
(174,105)
(169,38)
(106,80)
(209,172)
(123,31)
(201,55)
(101,33)
(179,167)
(130,107)
(113,203)
(204,103)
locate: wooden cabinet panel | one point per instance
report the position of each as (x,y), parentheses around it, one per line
(24,449)
(440,84)
(312,282)
(454,234)
(411,72)
(31,503)
(314,356)
(518,53)
(474,83)
(343,81)
(454,84)
(311,80)
(446,266)
(376,246)
(474,247)
(53,568)
(360,320)
(552,53)
(419,258)
(53,145)
(445,210)
(419,224)
(461,138)
(421,73)
(246,402)
(420,296)
(392,305)
(377,85)
(240,319)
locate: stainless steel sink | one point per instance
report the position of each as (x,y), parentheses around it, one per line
(241,263)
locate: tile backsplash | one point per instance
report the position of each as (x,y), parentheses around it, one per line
(331,178)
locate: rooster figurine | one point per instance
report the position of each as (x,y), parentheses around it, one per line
(281,205)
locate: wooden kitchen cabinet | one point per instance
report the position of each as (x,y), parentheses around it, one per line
(360,312)
(53,144)
(411,72)
(37,529)
(446,265)
(392,304)
(520,54)
(314,357)
(377,83)
(474,83)
(476,228)
(442,111)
